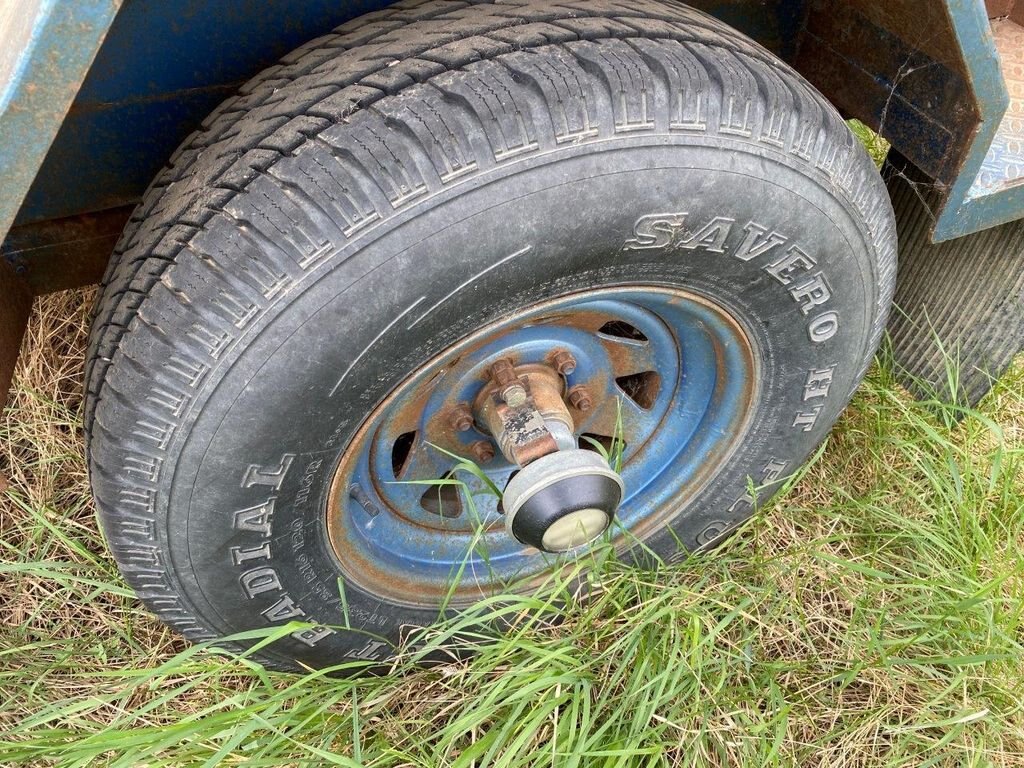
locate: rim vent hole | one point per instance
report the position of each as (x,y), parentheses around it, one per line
(401,449)
(641,388)
(442,500)
(620,329)
(605,441)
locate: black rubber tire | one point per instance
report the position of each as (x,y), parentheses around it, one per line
(381,165)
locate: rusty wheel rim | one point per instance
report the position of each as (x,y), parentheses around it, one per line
(679,368)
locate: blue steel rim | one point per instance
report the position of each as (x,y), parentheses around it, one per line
(672,376)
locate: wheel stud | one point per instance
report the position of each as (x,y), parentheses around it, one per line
(514,395)
(580,398)
(511,389)
(563,362)
(482,451)
(461,418)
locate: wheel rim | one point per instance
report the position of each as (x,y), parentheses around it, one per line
(679,368)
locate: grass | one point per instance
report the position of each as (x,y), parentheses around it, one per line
(876,146)
(871,617)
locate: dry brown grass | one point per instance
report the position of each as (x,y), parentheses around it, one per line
(47,517)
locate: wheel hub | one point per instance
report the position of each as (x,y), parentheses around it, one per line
(563,497)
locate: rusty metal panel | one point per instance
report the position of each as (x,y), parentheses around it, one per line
(64,253)
(897,67)
(163,67)
(1003,166)
(1002,9)
(966,210)
(997,9)
(928,76)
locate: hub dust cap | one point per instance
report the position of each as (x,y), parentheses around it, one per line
(562,501)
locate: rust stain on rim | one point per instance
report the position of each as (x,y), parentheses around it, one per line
(366,574)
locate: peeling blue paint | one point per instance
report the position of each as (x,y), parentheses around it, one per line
(64,39)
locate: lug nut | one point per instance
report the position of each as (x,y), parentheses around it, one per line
(461,418)
(502,372)
(510,388)
(563,361)
(482,451)
(512,391)
(579,398)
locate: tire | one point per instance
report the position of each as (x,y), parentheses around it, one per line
(415,176)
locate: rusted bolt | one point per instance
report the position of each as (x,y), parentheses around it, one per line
(461,418)
(482,451)
(510,389)
(579,398)
(563,361)
(514,395)
(502,372)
